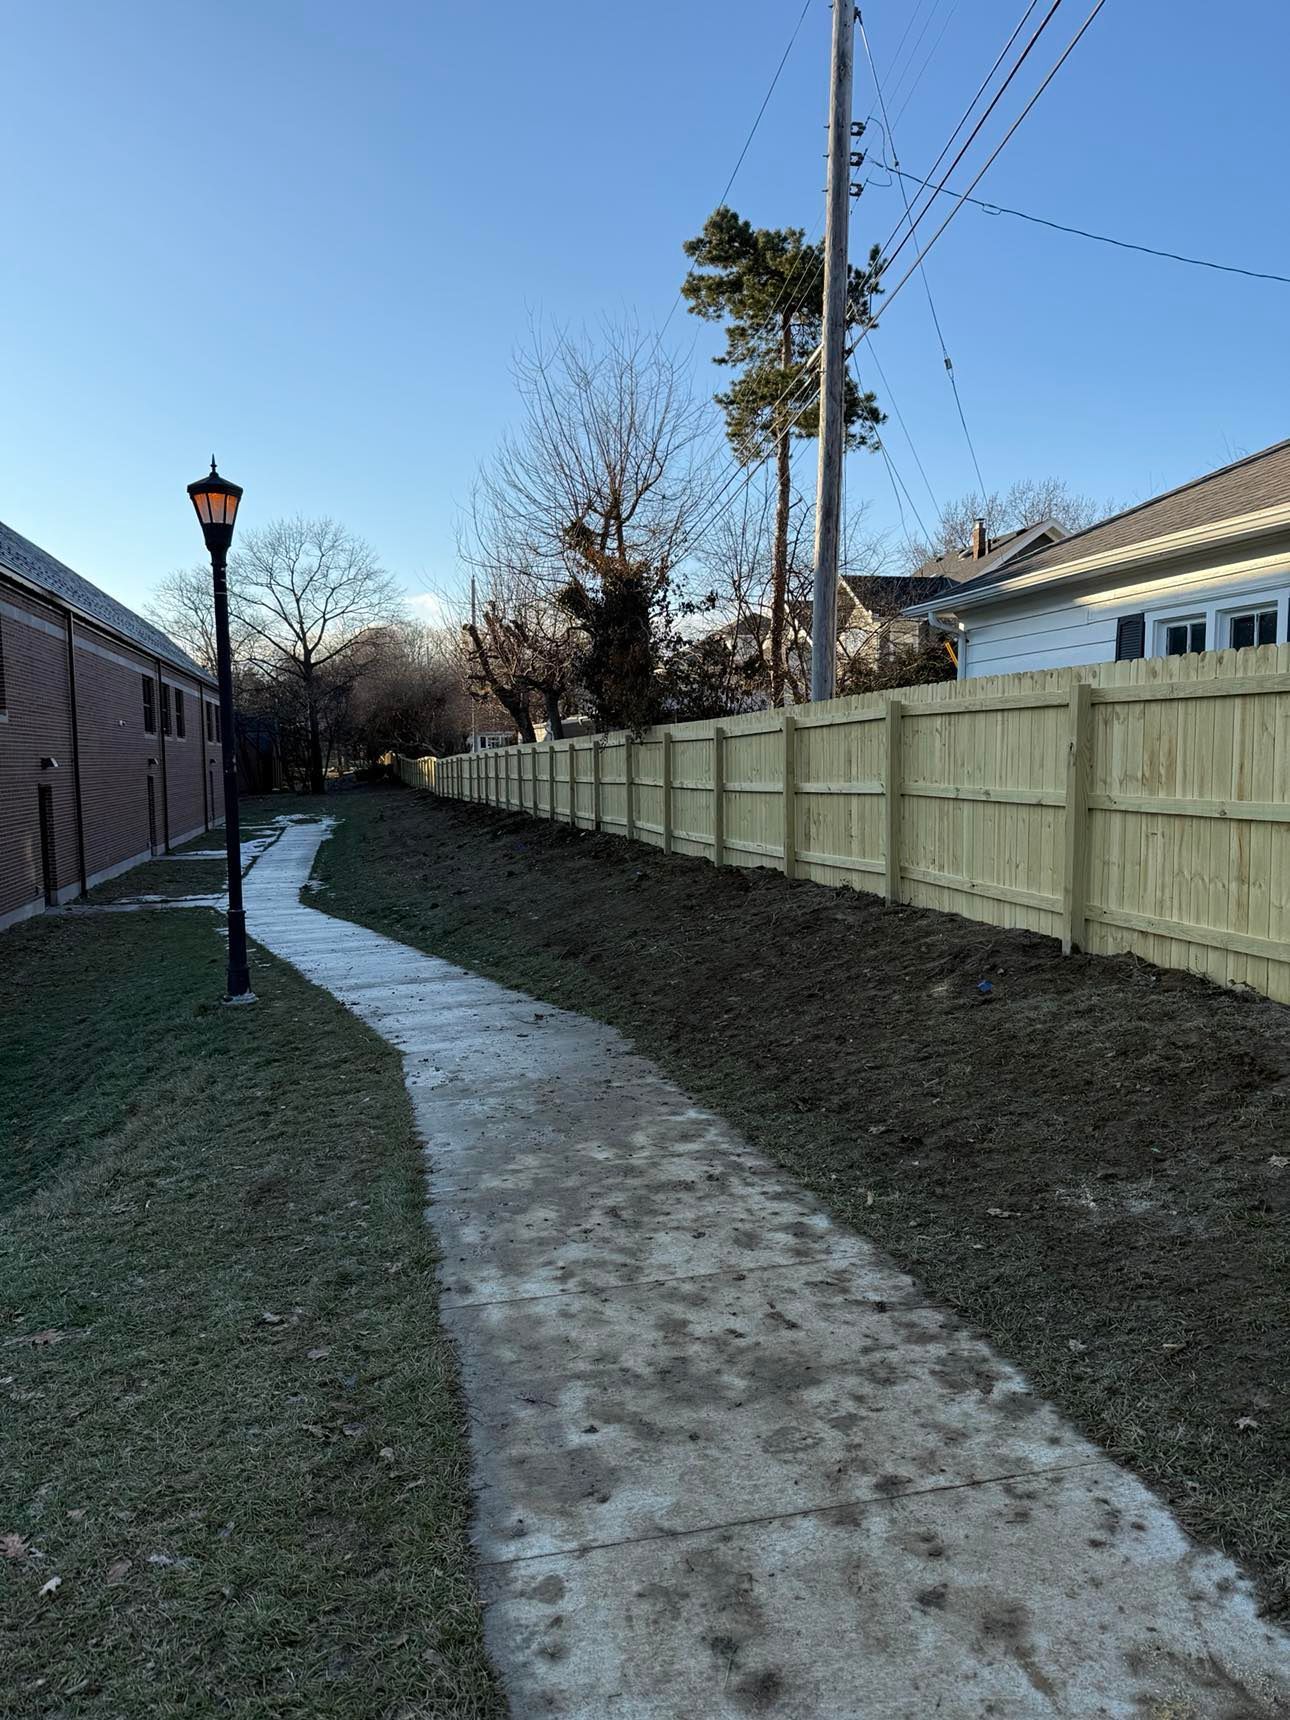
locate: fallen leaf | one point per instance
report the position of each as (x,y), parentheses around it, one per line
(318,1354)
(271,1319)
(1279,1161)
(117,1572)
(1075,1345)
(13,1547)
(1000,1212)
(1245,1423)
(52,1586)
(162,1559)
(387,1452)
(352,1429)
(77,1514)
(868,1197)
(1179,1346)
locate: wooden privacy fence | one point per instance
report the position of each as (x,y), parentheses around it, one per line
(1125,806)
(416,772)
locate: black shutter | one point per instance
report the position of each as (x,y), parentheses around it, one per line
(1130,637)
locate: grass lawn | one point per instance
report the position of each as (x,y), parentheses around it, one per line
(235,1476)
(1090,1165)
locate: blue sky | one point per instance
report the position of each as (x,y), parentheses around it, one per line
(310,237)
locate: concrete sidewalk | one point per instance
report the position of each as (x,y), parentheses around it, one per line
(728,1462)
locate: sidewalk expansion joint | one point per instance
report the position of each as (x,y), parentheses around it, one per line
(865,1502)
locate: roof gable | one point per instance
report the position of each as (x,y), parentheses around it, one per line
(1256,482)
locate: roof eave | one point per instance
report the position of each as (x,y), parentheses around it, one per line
(58,600)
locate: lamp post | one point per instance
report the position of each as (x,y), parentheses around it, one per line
(216,500)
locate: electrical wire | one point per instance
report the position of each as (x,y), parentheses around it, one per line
(891,401)
(1100,238)
(931,55)
(991,158)
(927,285)
(967,112)
(734,172)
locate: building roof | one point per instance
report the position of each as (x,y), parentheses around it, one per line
(888,594)
(1258,481)
(40,569)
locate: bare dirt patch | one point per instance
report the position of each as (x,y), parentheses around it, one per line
(1080,1160)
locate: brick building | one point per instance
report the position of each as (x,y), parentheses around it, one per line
(109,736)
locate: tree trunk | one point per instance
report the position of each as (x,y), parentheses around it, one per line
(317,780)
(779,551)
(554,727)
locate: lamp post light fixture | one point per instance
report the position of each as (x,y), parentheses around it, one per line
(216,501)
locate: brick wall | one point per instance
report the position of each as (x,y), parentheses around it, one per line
(119,757)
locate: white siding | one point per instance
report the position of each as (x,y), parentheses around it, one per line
(1047,632)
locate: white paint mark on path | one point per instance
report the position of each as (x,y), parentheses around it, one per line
(727,1461)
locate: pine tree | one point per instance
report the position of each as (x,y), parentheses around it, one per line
(767,285)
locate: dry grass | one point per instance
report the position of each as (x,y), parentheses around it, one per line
(234,1433)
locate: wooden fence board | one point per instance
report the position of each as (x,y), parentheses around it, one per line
(1148,802)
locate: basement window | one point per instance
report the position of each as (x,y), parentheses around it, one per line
(1255,627)
(149,705)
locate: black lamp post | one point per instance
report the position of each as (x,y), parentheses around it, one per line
(215,500)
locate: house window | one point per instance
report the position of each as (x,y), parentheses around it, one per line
(217,728)
(165,708)
(149,705)
(1255,627)
(180,724)
(3,705)
(1180,637)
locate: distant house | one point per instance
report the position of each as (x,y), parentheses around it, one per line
(874,623)
(1205,566)
(109,735)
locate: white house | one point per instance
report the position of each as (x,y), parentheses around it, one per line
(1202,567)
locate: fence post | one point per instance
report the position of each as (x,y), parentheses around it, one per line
(1079,760)
(666,775)
(595,785)
(790,794)
(630,815)
(550,780)
(891,787)
(718,794)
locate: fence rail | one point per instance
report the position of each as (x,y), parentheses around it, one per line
(1125,806)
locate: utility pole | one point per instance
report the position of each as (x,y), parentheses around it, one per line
(474,708)
(833,361)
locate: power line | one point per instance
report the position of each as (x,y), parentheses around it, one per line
(994,101)
(931,55)
(891,398)
(765,103)
(927,285)
(991,158)
(1101,238)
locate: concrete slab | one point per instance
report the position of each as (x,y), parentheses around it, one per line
(967,1602)
(728,1462)
(758,1419)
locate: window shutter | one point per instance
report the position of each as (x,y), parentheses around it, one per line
(1130,637)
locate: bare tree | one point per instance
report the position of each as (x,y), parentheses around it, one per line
(183,607)
(602,488)
(311,599)
(1028,502)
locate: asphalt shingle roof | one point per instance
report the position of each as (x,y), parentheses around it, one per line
(1258,481)
(41,569)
